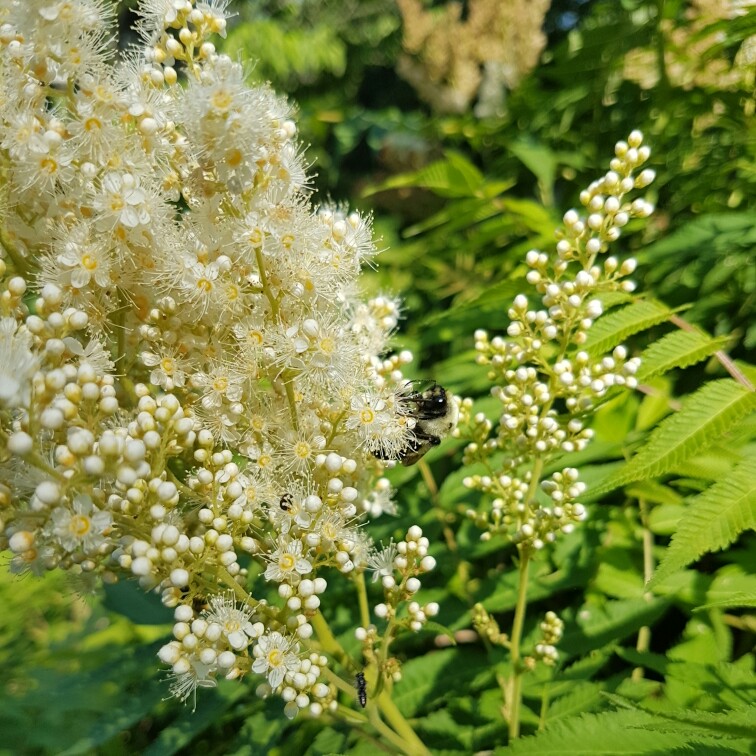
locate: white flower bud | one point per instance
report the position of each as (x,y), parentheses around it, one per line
(179,578)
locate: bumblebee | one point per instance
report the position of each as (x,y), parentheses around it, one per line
(435,414)
(286,501)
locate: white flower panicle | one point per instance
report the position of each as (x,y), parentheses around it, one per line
(547,383)
(189,378)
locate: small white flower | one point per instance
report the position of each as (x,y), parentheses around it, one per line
(83,526)
(275,655)
(122,200)
(185,684)
(382,562)
(234,620)
(287,563)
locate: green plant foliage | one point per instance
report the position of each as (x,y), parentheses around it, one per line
(705,416)
(678,349)
(627,732)
(289,55)
(616,327)
(713,520)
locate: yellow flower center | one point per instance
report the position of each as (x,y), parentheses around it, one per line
(80,525)
(220,383)
(89,262)
(302,449)
(286,562)
(367,416)
(204,285)
(232,626)
(48,165)
(275,657)
(222,100)
(92,123)
(327,346)
(168,365)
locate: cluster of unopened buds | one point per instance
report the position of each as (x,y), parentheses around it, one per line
(551,633)
(510,513)
(488,627)
(545,364)
(409,558)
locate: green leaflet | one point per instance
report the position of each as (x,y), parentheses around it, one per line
(713,520)
(706,415)
(620,732)
(612,329)
(678,349)
(735,600)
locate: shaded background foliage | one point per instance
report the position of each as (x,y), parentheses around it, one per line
(460,192)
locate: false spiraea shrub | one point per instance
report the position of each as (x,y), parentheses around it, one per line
(195,395)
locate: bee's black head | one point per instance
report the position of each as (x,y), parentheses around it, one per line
(433,402)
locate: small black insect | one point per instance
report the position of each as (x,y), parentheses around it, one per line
(286,501)
(361,686)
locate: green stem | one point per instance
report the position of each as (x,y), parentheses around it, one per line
(430,482)
(330,644)
(410,742)
(544,708)
(265,284)
(338,682)
(359,584)
(515,679)
(289,386)
(406,740)
(21,266)
(288,380)
(514,688)
(240,593)
(643,642)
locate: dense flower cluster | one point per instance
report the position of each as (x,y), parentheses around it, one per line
(544,373)
(192,391)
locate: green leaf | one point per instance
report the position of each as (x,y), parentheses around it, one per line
(610,734)
(189,724)
(433,676)
(677,350)
(612,329)
(706,415)
(453,177)
(713,520)
(663,520)
(745,600)
(582,697)
(731,724)
(612,621)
